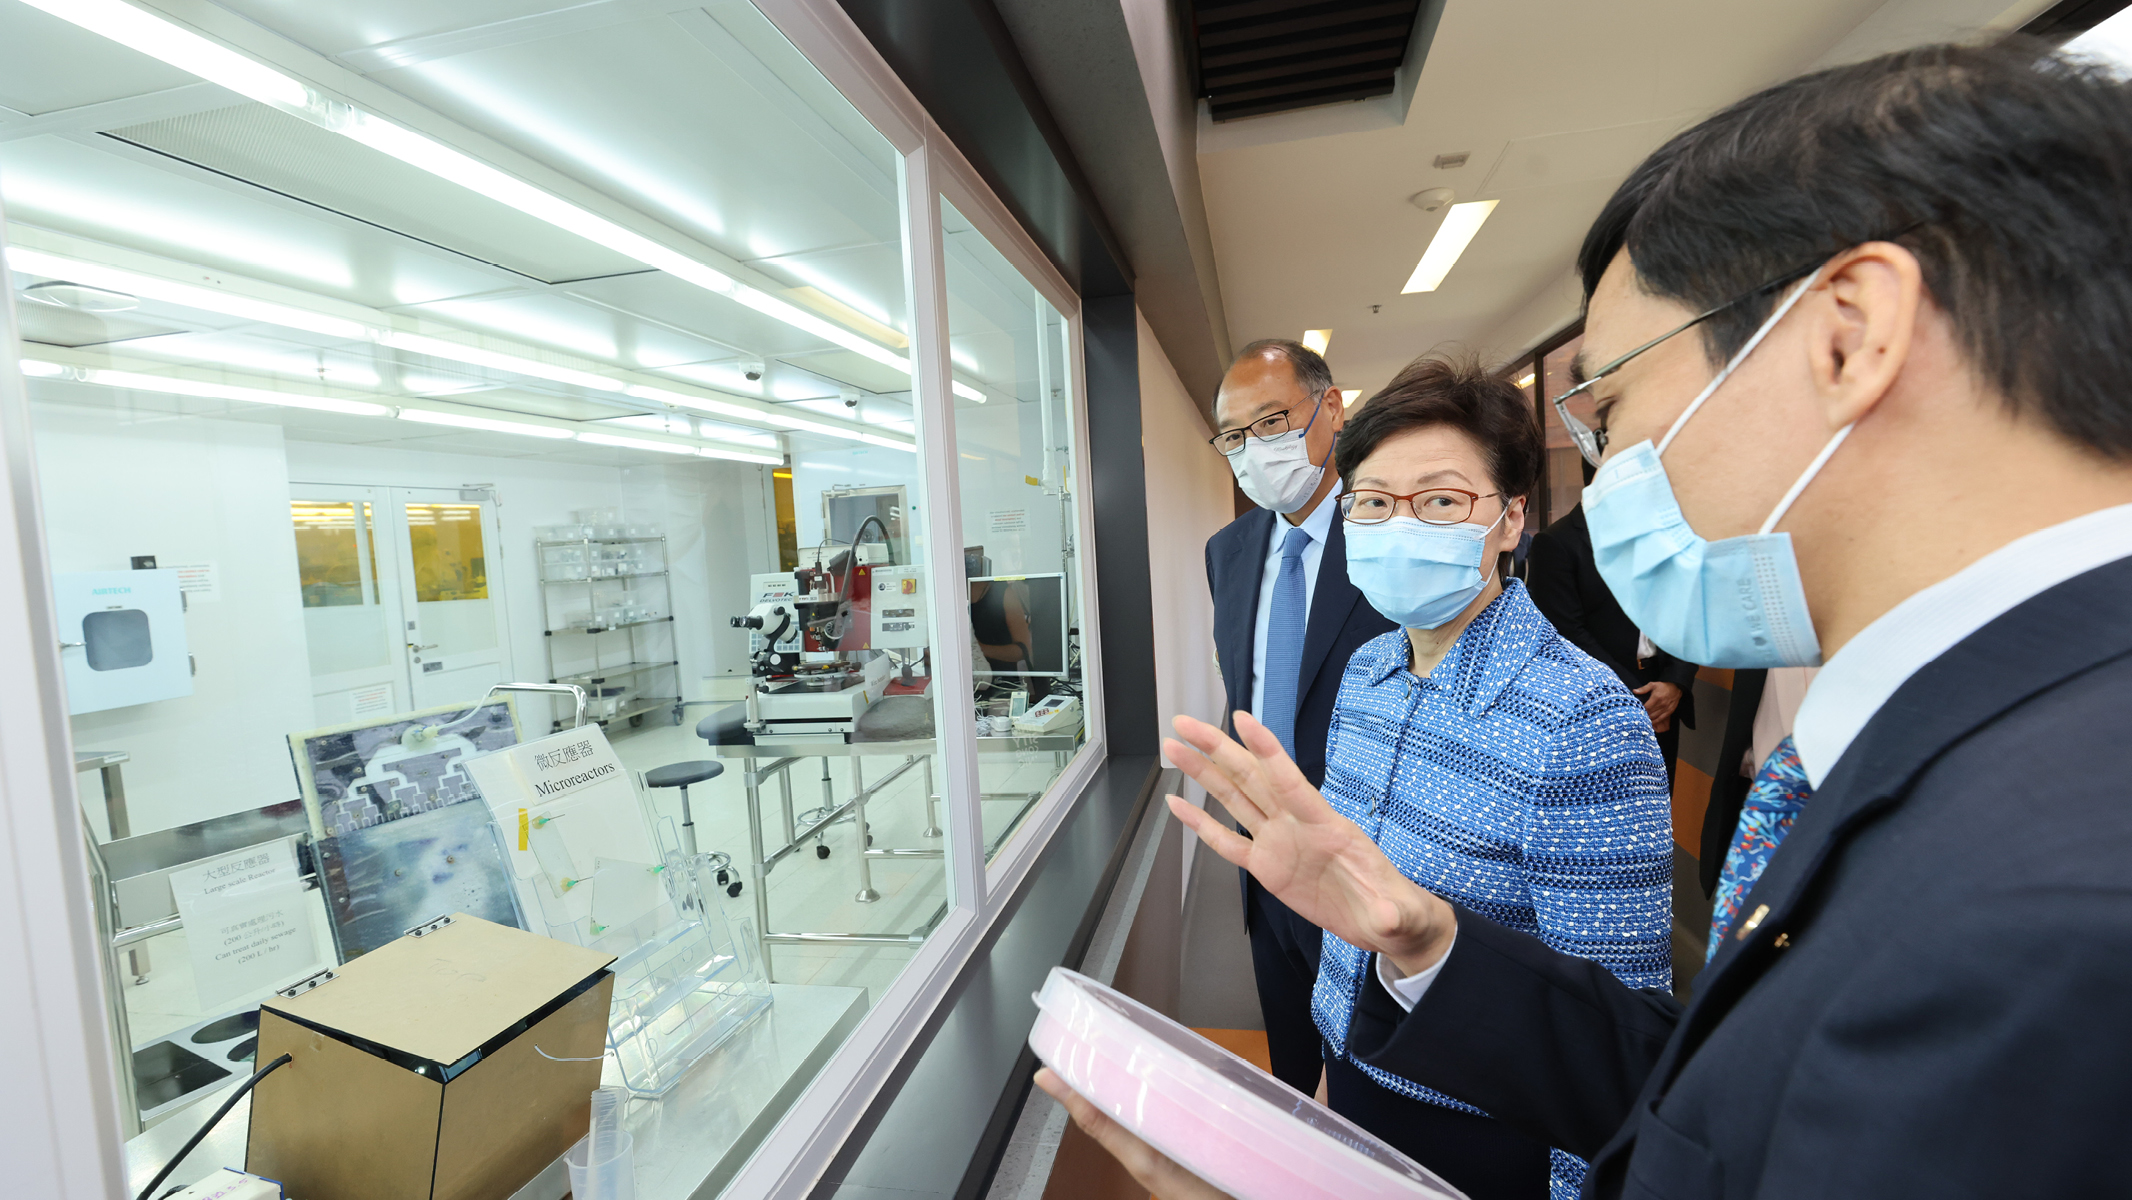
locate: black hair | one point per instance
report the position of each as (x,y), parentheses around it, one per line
(2006,169)
(1454,390)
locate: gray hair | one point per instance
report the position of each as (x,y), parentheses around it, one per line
(1309,367)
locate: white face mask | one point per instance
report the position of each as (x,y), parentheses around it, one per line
(1277,473)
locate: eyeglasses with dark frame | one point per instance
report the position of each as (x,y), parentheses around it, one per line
(1232,441)
(1442,506)
(1591,443)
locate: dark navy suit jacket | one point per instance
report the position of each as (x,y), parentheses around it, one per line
(1340,620)
(1933,1004)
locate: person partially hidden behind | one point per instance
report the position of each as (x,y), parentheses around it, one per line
(1565,584)
(1285,621)
(1859,346)
(999,616)
(1497,764)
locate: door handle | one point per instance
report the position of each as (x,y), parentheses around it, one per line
(72,645)
(419,649)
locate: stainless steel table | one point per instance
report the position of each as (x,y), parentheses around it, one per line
(766,758)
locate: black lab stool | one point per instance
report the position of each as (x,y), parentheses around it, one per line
(681,775)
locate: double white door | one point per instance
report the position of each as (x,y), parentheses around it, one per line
(403,597)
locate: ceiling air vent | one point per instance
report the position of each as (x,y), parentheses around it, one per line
(1265,56)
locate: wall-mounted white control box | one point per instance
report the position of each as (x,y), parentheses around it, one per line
(121,638)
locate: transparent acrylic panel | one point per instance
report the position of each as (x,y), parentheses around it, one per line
(413,357)
(1014,441)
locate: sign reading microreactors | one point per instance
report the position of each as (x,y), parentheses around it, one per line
(566,807)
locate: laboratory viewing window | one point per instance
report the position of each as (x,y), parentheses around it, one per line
(483,479)
(1543,375)
(1014,442)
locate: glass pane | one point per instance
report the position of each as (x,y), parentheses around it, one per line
(345,627)
(1565,467)
(445,542)
(328,553)
(1014,443)
(679,444)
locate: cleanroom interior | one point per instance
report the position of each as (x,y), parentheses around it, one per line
(398,441)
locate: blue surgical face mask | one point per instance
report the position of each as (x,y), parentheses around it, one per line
(1417,574)
(1735,602)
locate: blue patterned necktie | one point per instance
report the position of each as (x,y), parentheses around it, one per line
(1284,640)
(1779,795)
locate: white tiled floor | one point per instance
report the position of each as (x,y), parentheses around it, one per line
(813,895)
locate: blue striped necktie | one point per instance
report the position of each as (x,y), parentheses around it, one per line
(1284,640)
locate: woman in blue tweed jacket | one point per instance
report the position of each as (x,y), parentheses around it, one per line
(1495,763)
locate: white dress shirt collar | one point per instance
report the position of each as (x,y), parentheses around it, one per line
(1318,524)
(1871,666)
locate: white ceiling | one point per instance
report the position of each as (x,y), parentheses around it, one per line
(702,119)
(1555,100)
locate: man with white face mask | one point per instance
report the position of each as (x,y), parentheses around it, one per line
(1859,346)
(1286,620)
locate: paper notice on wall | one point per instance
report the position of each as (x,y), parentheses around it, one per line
(247,923)
(1004,521)
(197,580)
(371,701)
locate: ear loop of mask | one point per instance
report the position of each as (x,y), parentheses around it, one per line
(1738,357)
(1305,432)
(1495,561)
(1813,468)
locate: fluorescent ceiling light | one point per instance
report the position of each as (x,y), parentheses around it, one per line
(739,456)
(222,391)
(37,369)
(706,403)
(965,391)
(37,262)
(822,301)
(1457,230)
(1317,339)
(630,443)
(1348,396)
(891,443)
(779,417)
(1527,380)
(460,352)
(180,47)
(430,416)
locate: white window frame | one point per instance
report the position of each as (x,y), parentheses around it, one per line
(792,1159)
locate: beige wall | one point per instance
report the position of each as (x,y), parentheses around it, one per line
(1189,498)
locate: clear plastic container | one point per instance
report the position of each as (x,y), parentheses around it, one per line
(1216,1115)
(613,1178)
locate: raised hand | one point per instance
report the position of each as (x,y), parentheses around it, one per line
(1316,861)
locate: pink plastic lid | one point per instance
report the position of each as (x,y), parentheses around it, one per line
(1216,1115)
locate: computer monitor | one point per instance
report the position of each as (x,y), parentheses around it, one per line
(1044,603)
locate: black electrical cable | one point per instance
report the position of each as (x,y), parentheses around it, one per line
(875,521)
(194,1142)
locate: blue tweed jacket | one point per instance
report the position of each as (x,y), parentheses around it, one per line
(1520,780)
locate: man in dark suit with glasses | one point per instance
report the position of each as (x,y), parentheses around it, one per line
(1286,620)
